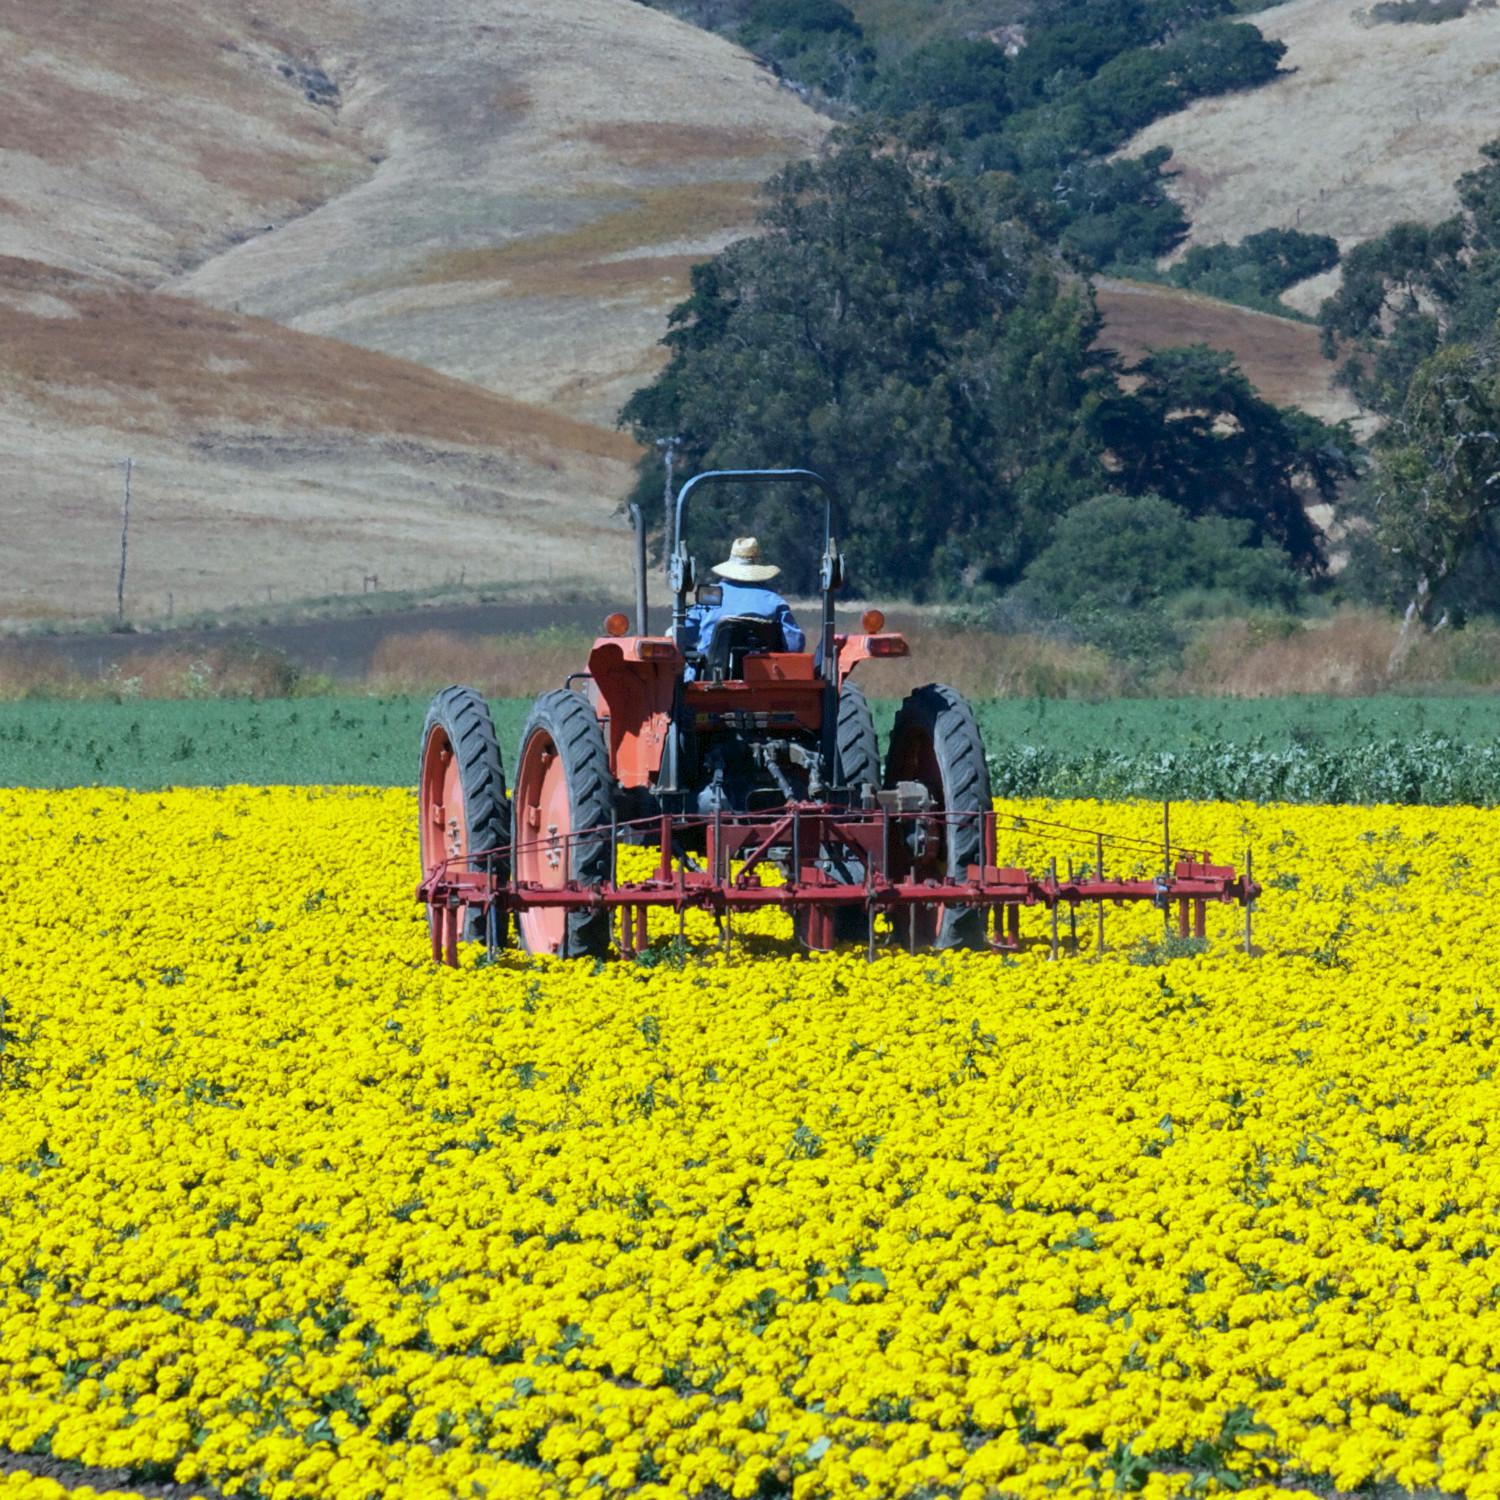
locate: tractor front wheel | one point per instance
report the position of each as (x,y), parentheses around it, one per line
(564,794)
(936,742)
(463,812)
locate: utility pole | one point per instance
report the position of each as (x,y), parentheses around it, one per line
(129,466)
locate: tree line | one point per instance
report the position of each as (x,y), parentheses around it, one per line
(1418,317)
(911,334)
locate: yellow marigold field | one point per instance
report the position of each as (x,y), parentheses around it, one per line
(287,1211)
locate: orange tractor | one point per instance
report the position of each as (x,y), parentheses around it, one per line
(736,761)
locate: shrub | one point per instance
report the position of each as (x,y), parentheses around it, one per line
(1128,552)
(964,81)
(1424,12)
(1256,270)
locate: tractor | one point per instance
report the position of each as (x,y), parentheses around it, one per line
(756,773)
(735,749)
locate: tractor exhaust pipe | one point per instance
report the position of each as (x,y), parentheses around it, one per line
(642,627)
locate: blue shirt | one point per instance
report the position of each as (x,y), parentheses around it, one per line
(740,599)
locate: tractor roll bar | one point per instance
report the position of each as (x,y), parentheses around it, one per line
(642,608)
(680,575)
(680,572)
(752,476)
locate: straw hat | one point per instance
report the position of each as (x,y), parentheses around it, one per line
(744,565)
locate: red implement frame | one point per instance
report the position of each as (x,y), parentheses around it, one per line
(797,837)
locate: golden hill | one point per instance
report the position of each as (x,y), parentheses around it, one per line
(1369,124)
(359,283)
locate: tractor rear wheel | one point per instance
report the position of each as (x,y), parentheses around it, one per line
(463,811)
(936,742)
(858,750)
(856,764)
(564,789)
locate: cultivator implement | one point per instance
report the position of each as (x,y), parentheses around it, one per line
(841,875)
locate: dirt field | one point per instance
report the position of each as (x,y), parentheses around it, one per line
(547,175)
(1283,358)
(270,463)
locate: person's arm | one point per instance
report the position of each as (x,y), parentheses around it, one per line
(791,632)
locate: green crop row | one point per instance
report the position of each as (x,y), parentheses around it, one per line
(1301,750)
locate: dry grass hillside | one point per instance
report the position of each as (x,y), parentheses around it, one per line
(359,283)
(549,172)
(270,463)
(1370,123)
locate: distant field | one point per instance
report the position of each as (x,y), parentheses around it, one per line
(1407,750)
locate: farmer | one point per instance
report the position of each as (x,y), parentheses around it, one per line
(742,595)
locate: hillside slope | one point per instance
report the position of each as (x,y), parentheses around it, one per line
(551,174)
(1370,123)
(233,242)
(270,464)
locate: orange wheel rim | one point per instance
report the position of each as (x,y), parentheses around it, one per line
(544,822)
(444,819)
(918,927)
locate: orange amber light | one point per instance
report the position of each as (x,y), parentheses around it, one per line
(616,624)
(873,620)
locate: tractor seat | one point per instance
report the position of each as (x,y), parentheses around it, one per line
(736,637)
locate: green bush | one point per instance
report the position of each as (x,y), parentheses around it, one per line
(1258,269)
(1424,12)
(802,15)
(816,43)
(1122,552)
(1119,211)
(1125,574)
(965,81)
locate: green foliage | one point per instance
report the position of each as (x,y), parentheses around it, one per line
(1118,211)
(1436,482)
(1257,269)
(1420,307)
(296,741)
(1400,750)
(1395,750)
(1089,115)
(1195,432)
(965,82)
(900,334)
(1423,12)
(889,331)
(1116,562)
(1416,287)
(1089,74)
(816,43)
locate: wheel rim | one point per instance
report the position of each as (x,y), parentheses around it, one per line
(444,818)
(915,759)
(544,813)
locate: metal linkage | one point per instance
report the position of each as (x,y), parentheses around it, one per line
(827,859)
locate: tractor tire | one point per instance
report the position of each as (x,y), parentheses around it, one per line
(563,786)
(857,756)
(936,741)
(856,763)
(461,792)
